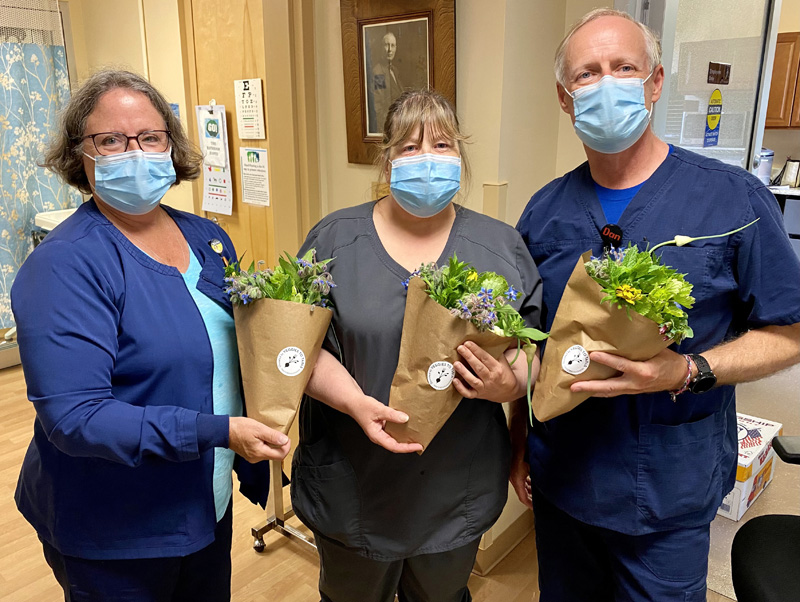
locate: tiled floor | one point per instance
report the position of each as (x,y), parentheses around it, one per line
(775,398)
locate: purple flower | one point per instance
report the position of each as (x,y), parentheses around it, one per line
(512,293)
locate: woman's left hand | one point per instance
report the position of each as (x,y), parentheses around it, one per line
(492,379)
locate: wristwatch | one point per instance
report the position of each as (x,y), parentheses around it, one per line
(705,378)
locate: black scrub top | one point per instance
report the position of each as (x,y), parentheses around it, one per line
(389,506)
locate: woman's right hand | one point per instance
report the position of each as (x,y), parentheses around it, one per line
(371,415)
(255,442)
(520,479)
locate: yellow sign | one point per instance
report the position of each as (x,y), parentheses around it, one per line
(714,109)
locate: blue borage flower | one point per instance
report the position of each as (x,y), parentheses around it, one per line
(481,298)
(407,280)
(301,280)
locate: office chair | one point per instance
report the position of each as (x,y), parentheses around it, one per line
(765,555)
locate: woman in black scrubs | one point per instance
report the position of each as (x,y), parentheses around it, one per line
(386,520)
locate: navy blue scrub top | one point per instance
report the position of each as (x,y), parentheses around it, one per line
(639,464)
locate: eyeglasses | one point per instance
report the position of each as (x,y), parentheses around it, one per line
(111,143)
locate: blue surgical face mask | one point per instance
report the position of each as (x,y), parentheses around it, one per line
(133,182)
(425,184)
(610,115)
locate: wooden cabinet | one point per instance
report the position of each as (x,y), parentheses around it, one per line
(783,108)
(795,121)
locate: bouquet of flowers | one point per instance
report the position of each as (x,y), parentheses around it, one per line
(625,302)
(281,320)
(445,307)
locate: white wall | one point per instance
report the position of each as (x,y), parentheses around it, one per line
(341,184)
(570,150)
(165,72)
(530,113)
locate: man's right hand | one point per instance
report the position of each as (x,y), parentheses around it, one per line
(255,442)
(371,415)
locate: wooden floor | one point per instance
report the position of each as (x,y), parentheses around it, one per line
(284,572)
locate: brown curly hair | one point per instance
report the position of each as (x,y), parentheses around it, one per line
(64,155)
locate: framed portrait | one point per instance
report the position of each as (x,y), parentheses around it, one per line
(396,57)
(389,47)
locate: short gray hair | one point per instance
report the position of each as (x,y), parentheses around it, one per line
(64,156)
(652,44)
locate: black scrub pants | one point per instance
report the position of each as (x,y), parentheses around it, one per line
(345,576)
(204,576)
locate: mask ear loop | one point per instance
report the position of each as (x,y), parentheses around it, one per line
(652,104)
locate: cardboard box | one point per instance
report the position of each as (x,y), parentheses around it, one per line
(743,494)
(755,444)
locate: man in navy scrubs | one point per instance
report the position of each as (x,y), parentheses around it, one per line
(625,486)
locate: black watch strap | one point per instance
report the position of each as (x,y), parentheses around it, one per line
(705,379)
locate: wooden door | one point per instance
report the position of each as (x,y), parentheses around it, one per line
(783,89)
(271,40)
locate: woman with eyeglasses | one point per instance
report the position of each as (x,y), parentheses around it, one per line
(129,352)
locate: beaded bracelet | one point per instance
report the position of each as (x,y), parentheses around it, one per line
(674,394)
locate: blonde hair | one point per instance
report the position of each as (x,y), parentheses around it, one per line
(652,45)
(423,108)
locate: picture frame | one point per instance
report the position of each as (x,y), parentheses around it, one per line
(387,47)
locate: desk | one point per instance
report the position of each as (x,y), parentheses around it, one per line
(46,221)
(782,193)
(789,200)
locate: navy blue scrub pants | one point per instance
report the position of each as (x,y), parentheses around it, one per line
(345,576)
(579,562)
(202,576)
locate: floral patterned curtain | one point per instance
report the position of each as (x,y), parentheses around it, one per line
(34,86)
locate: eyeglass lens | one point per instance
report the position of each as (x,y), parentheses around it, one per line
(110,143)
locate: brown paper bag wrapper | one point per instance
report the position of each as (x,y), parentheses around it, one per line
(582,320)
(279,342)
(427,352)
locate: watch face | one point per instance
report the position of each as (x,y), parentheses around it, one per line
(703,383)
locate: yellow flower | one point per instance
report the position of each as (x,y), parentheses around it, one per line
(472,276)
(628,293)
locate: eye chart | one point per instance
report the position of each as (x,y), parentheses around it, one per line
(213,133)
(249,109)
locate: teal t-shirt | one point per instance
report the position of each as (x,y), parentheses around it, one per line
(226,393)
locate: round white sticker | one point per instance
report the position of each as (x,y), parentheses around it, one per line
(291,361)
(440,375)
(575,360)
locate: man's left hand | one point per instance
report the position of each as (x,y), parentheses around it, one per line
(665,372)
